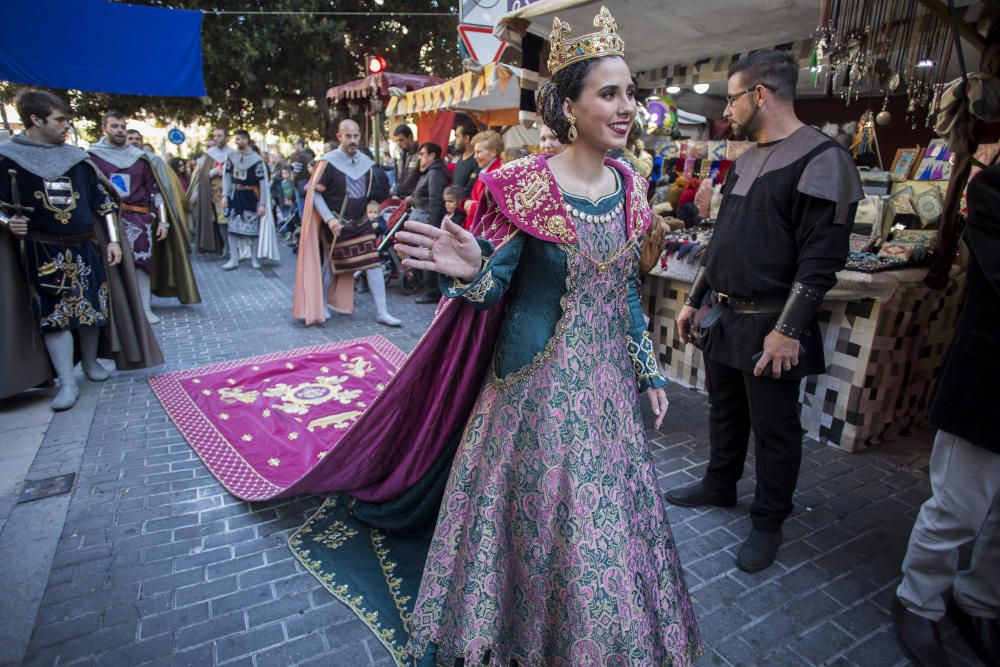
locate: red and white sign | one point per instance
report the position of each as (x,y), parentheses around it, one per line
(482,45)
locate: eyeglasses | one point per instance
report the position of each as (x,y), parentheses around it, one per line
(731,99)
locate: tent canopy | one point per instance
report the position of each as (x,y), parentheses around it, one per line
(58,44)
(378,84)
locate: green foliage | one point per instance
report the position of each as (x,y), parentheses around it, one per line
(292,57)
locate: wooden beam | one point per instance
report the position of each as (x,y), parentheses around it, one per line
(968,33)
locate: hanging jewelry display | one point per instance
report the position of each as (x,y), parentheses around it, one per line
(883,47)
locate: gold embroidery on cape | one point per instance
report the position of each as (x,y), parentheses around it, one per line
(528,192)
(339,421)
(300,397)
(237,395)
(392,582)
(336,535)
(341,591)
(359,367)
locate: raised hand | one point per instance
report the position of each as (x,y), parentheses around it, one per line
(450,250)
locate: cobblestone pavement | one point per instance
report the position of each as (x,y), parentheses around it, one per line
(150,561)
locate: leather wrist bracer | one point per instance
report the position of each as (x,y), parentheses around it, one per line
(800,308)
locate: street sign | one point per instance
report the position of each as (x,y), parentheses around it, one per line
(482,45)
(175,136)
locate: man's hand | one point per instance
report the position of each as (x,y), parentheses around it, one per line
(658,401)
(114,254)
(334,226)
(684,322)
(18,225)
(261,210)
(781,352)
(161,232)
(225,203)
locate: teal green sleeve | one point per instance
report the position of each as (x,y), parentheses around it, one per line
(640,345)
(492,281)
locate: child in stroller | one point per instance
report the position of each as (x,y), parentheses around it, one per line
(384,218)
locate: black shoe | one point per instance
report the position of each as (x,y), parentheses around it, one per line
(697,494)
(980,633)
(759,550)
(919,637)
(428,297)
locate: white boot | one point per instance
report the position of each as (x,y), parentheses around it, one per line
(92,368)
(234,255)
(146,294)
(376,283)
(60,347)
(254,262)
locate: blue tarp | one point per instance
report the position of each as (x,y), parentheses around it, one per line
(101,46)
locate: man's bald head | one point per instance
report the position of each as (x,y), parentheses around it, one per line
(349,136)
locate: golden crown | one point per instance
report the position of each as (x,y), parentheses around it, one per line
(605,42)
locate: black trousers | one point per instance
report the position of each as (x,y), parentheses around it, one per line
(739,402)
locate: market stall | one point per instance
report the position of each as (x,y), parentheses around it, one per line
(365,100)
(884,329)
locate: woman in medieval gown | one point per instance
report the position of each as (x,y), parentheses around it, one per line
(552,545)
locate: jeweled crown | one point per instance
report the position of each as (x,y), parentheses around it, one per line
(605,42)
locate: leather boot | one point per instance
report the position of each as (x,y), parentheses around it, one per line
(759,550)
(697,494)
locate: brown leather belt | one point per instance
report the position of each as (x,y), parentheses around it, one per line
(61,239)
(135,209)
(246,187)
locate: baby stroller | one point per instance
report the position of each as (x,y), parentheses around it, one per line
(393,214)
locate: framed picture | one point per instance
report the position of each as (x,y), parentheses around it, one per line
(903,163)
(936,162)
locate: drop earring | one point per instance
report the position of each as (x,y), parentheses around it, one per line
(572,134)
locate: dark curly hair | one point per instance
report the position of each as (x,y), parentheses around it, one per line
(567,82)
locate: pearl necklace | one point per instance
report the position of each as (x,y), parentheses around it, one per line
(592,218)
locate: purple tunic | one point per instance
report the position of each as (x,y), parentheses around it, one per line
(136,185)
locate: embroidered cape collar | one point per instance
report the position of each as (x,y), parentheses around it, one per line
(527,194)
(122,157)
(50,161)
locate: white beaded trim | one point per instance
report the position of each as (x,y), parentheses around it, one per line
(591,218)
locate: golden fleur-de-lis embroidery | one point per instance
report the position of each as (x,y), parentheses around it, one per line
(256,368)
(246,437)
(293,436)
(265,413)
(289,365)
(380,386)
(230,381)
(325,369)
(196,381)
(274,462)
(321,455)
(223,416)
(207,392)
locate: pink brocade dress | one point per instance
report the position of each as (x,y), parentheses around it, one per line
(552,545)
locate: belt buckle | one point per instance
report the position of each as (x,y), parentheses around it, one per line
(723,297)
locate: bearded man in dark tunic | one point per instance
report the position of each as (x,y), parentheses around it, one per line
(781,236)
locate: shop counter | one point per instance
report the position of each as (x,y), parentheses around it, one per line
(884,336)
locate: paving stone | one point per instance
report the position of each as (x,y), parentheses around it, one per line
(292,651)
(249,642)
